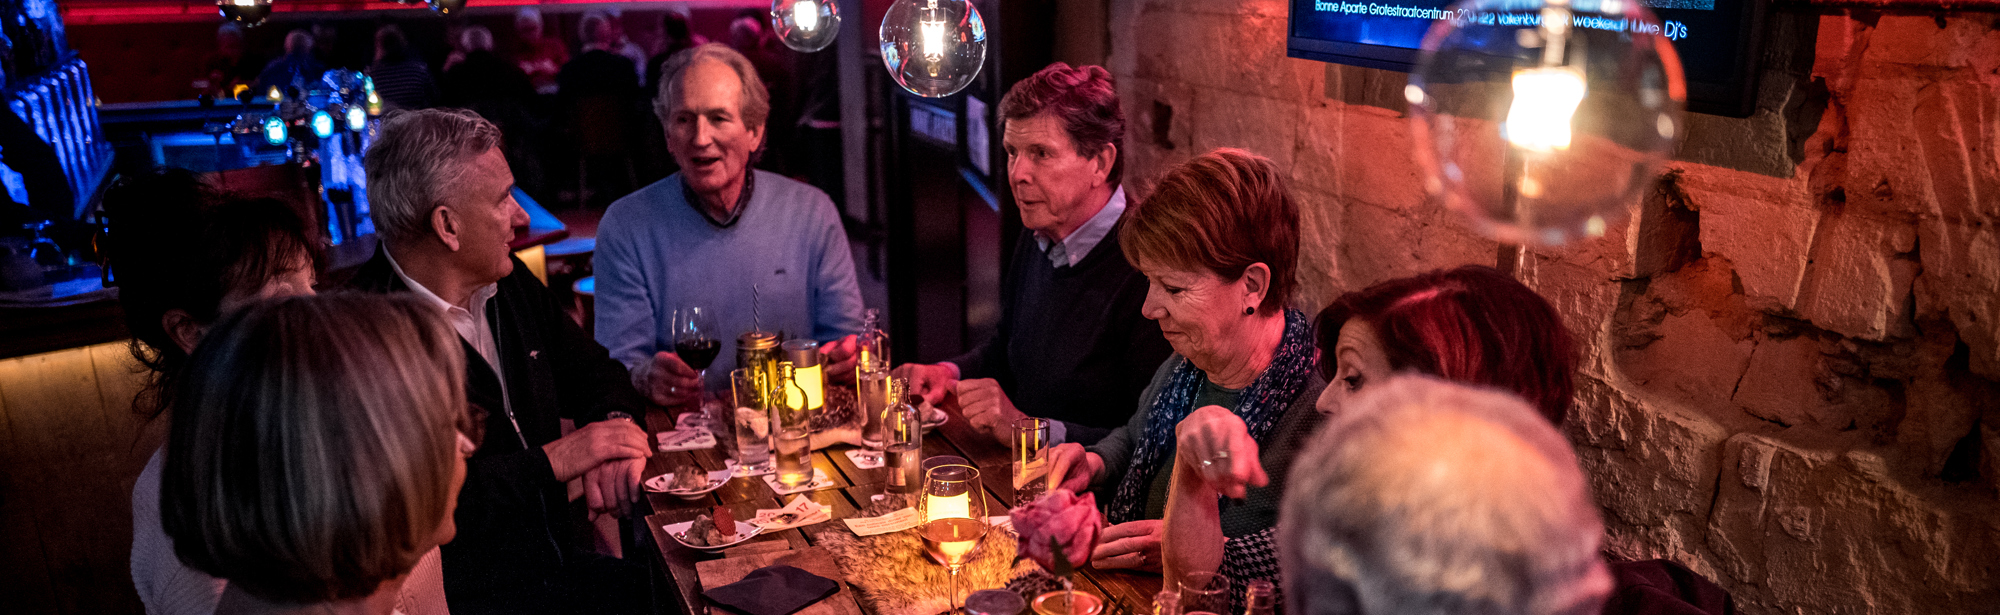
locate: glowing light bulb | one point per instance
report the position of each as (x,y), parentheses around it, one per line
(933,37)
(274,130)
(805,25)
(1545,101)
(357,119)
(274,94)
(806,14)
(933,48)
(322,124)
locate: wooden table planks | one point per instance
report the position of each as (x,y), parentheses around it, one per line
(855,489)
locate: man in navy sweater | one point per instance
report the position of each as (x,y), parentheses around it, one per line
(1072,344)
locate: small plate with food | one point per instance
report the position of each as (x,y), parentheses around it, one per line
(689,482)
(705,531)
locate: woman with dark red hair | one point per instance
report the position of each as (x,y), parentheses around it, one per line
(1471,324)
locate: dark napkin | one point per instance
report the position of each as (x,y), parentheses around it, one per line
(773,590)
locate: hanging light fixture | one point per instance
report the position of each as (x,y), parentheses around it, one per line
(447,7)
(250,13)
(357,119)
(274,130)
(1545,119)
(806,25)
(933,48)
(322,124)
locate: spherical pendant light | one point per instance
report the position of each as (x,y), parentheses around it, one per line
(1545,119)
(806,25)
(933,48)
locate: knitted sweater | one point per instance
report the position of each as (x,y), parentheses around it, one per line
(1072,344)
(656,252)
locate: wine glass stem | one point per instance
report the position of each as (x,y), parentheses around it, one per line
(954,591)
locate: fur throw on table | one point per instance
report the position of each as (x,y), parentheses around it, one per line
(893,576)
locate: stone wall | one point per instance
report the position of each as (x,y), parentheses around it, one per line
(1792,349)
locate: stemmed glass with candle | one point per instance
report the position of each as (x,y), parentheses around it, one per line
(954,514)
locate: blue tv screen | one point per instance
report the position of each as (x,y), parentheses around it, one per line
(1716,40)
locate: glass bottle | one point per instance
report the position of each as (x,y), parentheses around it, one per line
(903,432)
(793,425)
(872,344)
(1260,598)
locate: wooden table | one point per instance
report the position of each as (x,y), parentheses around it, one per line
(1128,592)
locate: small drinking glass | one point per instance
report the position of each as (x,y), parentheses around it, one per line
(1204,593)
(903,437)
(871,396)
(751,423)
(1030,460)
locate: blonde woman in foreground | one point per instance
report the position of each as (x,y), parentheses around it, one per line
(318,447)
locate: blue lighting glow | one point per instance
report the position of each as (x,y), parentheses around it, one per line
(357,119)
(322,123)
(274,130)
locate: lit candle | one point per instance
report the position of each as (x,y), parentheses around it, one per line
(810,375)
(809,379)
(947,507)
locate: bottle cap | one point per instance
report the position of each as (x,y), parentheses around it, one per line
(802,353)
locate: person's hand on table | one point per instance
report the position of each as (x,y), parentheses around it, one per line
(668,381)
(595,444)
(1129,545)
(988,409)
(931,382)
(1072,468)
(1216,446)
(613,486)
(837,359)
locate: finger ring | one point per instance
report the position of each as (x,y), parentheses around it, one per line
(1205,463)
(1222,454)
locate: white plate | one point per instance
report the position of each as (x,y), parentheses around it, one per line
(744,532)
(716,479)
(932,417)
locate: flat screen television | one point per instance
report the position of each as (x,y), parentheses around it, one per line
(1718,41)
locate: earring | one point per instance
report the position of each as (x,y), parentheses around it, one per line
(1249,310)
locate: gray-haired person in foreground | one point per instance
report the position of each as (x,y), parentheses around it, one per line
(1432,497)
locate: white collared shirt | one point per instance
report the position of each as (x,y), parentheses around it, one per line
(1072,249)
(469,321)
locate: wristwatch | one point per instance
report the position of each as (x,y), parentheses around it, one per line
(615,414)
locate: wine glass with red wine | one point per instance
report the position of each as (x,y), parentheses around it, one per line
(694,338)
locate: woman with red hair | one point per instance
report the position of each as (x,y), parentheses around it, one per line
(1472,325)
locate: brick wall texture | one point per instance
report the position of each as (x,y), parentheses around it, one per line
(1792,350)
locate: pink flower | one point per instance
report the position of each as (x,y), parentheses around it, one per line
(1058,518)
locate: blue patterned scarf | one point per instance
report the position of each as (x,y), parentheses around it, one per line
(1261,406)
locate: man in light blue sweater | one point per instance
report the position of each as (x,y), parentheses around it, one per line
(716,234)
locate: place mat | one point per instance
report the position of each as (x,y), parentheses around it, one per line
(719,572)
(891,575)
